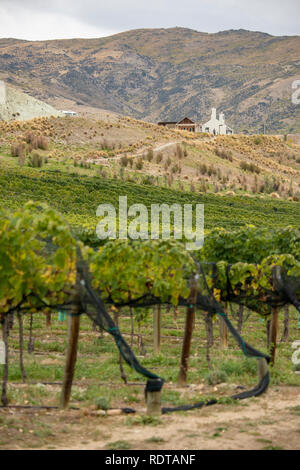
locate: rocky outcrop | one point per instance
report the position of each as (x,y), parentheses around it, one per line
(15,105)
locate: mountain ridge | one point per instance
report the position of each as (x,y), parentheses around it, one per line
(158,74)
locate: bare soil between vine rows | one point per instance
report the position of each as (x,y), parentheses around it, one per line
(268,422)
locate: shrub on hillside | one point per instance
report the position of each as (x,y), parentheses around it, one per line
(124,161)
(139,164)
(149,155)
(203,168)
(175,169)
(179,152)
(249,167)
(36,160)
(225,154)
(36,141)
(159,157)
(42,142)
(17,149)
(84,164)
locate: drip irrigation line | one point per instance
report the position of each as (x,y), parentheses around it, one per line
(29,407)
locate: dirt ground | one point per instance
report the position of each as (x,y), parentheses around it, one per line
(268,422)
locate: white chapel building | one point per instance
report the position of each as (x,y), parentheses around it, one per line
(217,126)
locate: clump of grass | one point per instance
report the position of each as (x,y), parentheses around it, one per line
(36,141)
(249,167)
(42,142)
(168,162)
(143,420)
(203,168)
(238,368)
(36,160)
(295,410)
(148,179)
(225,154)
(211,170)
(119,445)
(272,448)
(159,158)
(102,403)
(139,164)
(84,164)
(149,155)
(179,151)
(216,377)
(17,149)
(124,161)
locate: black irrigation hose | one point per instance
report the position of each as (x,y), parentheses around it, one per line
(248,351)
(29,407)
(255,392)
(44,407)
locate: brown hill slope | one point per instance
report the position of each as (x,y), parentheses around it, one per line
(127,149)
(165,74)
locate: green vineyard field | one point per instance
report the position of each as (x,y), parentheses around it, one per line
(78,197)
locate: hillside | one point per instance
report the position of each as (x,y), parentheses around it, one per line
(165,74)
(74,164)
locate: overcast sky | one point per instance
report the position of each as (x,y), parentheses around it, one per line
(53,19)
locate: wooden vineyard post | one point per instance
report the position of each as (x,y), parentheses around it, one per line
(273,334)
(286,325)
(209,336)
(154,403)
(268,330)
(48,319)
(30,346)
(21,341)
(123,375)
(156,329)
(240,319)
(131,327)
(262,367)
(188,331)
(223,335)
(71,355)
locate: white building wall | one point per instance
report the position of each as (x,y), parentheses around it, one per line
(216,126)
